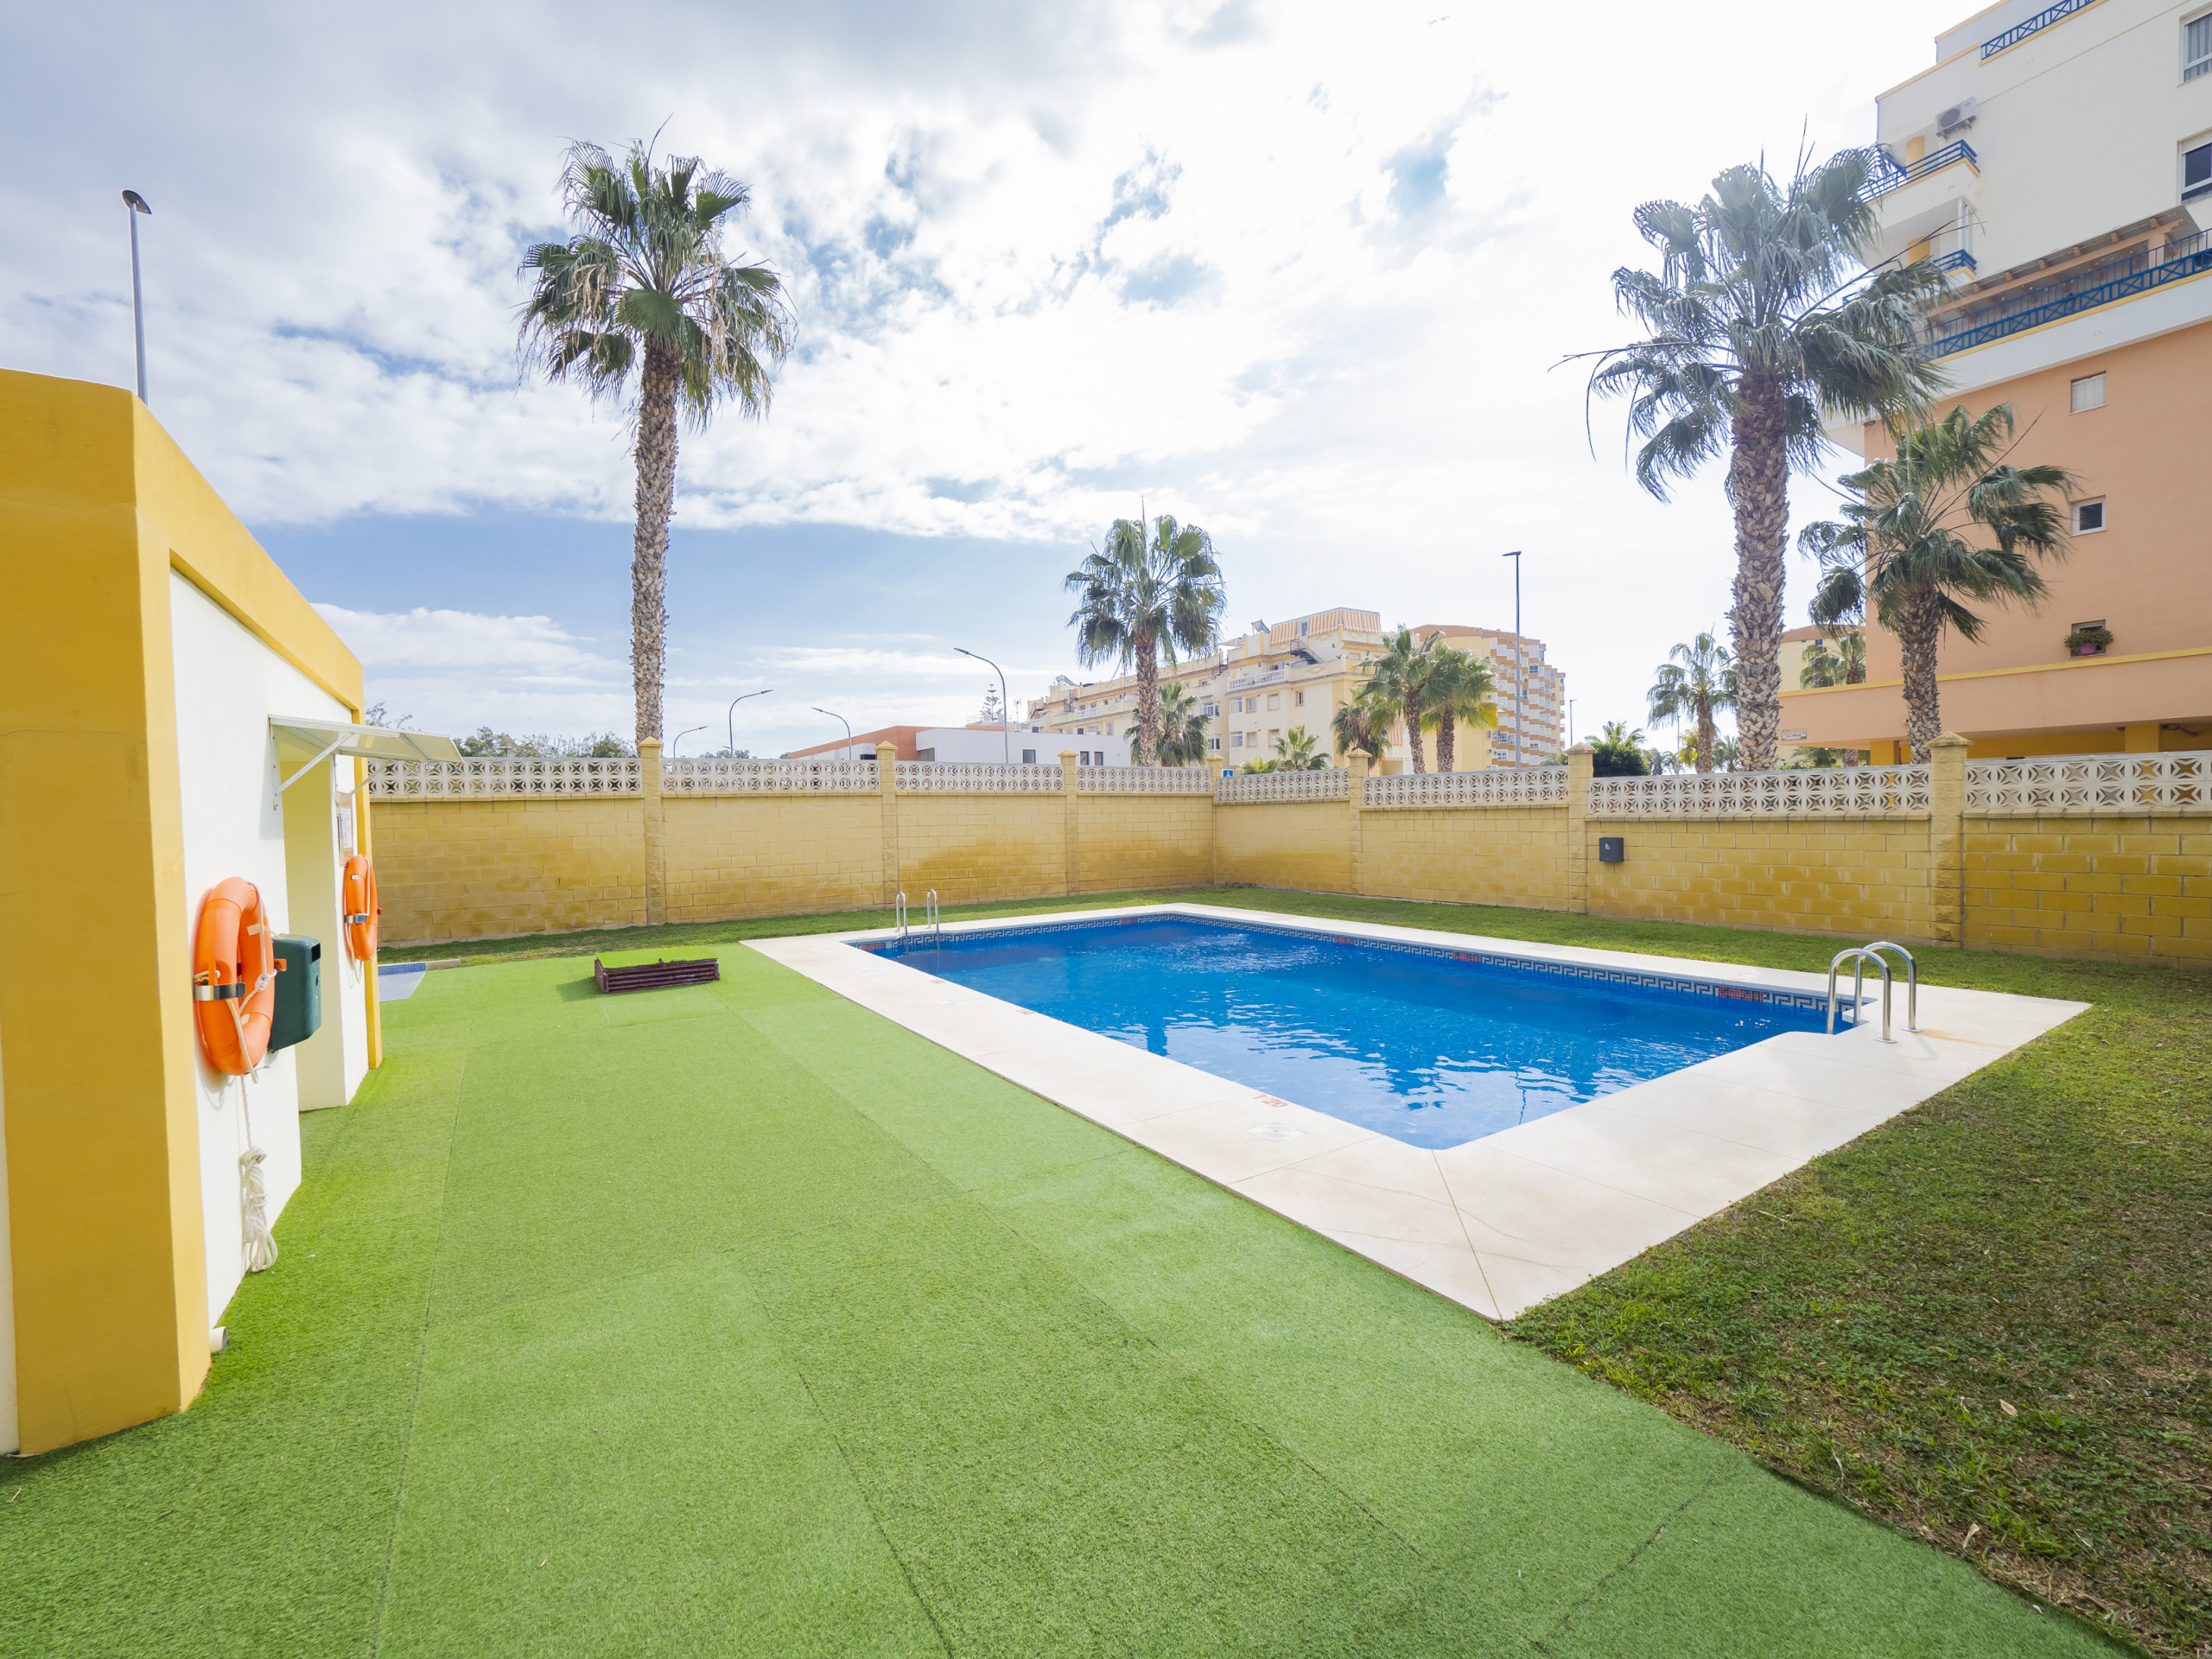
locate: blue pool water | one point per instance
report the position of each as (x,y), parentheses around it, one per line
(1434,1047)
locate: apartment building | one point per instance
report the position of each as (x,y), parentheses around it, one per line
(2057,160)
(1259,686)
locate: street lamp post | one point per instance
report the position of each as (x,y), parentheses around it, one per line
(847,724)
(1006,709)
(1520,668)
(135,205)
(733,701)
(680,736)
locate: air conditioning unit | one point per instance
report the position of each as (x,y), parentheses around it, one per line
(1957,118)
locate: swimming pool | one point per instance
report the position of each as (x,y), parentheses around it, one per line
(1432,1046)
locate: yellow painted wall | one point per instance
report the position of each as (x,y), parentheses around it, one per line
(2123,889)
(1285,844)
(1864,877)
(105,1241)
(970,848)
(1143,841)
(1498,856)
(772,855)
(489,869)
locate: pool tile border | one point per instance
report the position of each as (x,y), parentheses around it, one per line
(1539,1208)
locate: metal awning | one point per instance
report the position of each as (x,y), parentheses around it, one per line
(324,738)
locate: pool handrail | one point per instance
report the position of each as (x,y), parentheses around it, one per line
(1912,981)
(936,933)
(1859,956)
(899,914)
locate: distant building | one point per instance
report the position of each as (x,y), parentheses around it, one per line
(2056,160)
(976,745)
(1256,688)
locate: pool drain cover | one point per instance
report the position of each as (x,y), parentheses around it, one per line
(1277,1132)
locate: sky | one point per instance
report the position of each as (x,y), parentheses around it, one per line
(1309,277)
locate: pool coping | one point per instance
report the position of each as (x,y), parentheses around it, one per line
(1498,1224)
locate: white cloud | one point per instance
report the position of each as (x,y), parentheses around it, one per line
(1299,272)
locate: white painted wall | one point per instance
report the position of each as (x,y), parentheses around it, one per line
(968,747)
(228,686)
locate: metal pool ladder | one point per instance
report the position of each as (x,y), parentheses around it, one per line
(929,900)
(1859,956)
(899,915)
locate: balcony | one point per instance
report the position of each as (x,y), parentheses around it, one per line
(2034,25)
(2105,283)
(1933,162)
(1957,259)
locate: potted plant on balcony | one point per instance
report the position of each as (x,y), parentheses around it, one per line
(2088,641)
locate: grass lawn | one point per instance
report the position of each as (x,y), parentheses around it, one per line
(736,1320)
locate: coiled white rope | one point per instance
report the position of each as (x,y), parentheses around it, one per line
(253,1197)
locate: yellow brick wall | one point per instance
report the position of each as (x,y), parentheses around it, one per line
(489,869)
(2127,889)
(772,854)
(973,848)
(1862,877)
(1284,844)
(1482,856)
(1143,841)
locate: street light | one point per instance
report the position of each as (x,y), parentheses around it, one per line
(680,736)
(135,205)
(847,724)
(733,701)
(1520,672)
(1005,712)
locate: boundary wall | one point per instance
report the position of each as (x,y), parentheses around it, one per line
(2106,857)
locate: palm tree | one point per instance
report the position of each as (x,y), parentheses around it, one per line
(1845,665)
(644,284)
(1296,750)
(1182,727)
(1358,729)
(1759,326)
(1458,689)
(1619,752)
(1400,684)
(1139,598)
(1701,678)
(1904,548)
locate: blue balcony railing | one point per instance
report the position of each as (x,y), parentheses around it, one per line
(2036,24)
(1957,259)
(1933,162)
(2102,283)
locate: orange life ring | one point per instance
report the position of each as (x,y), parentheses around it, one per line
(361,912)
(234,977)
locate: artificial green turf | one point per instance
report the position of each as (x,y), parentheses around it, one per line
(767,1327)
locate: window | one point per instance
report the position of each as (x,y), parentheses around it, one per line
(1275,734)
(1214,743)
(1236,739)
(2197,172)
(1274,699)
(2196,47)
(2088,393)
(2088,516)
(1029,757)
(1083,758)
(1297,699)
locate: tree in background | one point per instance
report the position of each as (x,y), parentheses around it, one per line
(1140,597)
(1846,664)
(1905,550)
(1460,689)
(1618,753)
(1182,727)
(1399,686)
(643,284)
(1357,730)
(590,746)
(1298,750)
(994,712)
(1758,324)
(1699,679)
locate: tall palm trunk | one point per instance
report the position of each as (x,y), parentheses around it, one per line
(1148,753)
(1920,636)
(1447,742)
(1759,484)
(1704,735)
(1413,729)
(649,559)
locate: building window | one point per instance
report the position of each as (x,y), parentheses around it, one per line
(2088,393)
(2196,47)
(1236,739)
(1214,743)
(2195,171)
(1274,699)
(2088,516)
(1029,757)
(1297,699)
(1084,758)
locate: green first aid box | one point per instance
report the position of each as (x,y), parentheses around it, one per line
(298,991)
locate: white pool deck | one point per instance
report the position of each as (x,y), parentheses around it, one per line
(1500,1224)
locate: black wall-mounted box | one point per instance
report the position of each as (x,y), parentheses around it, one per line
(1613,849)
